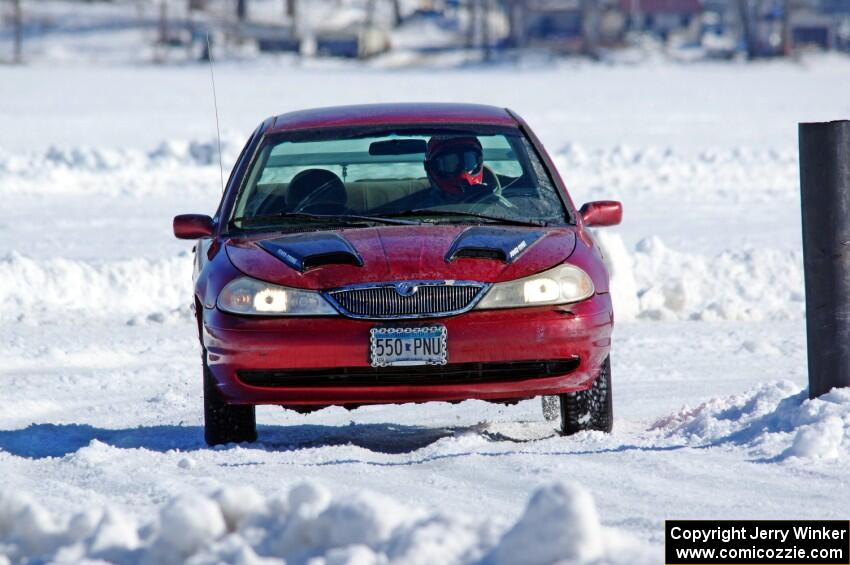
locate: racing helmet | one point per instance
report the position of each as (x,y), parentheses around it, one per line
(455,164)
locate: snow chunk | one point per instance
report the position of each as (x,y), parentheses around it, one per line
(114,531)
(818,441)
(440,539)
(309,525)
(309,498)
(360,519)
(560,523)
(188,523)
(351,555)
(776,420)
(26,526)
(237,503)
(316,524)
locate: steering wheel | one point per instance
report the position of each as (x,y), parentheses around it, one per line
(493,188)
(491,179)
(313,203)
(483,199)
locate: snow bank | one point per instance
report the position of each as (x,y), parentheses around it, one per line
(729,177)
(651,283)
(101,159)
(308,524)
(776,420)
(655,282)
(726,175)
(152,288)
(173,166)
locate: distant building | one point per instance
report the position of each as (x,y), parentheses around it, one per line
(557,25)
(835,7)
(661,16)
(566,26)
(809,29)
(840,11)
(357,41)
(274,38)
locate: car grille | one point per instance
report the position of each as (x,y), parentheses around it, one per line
(406,300)
(459,373)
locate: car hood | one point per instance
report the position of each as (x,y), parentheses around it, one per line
(330,259)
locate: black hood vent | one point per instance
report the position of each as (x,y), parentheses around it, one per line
(311,250)
(499,244)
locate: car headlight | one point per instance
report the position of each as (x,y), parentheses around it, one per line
(257,298)
(561,285)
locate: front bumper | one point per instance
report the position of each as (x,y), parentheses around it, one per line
(576,331)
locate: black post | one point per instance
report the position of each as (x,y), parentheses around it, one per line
(825,199)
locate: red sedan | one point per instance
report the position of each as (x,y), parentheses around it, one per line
(399,253)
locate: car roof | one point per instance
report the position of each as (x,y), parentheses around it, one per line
(392,114)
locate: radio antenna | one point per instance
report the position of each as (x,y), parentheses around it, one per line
(215,107)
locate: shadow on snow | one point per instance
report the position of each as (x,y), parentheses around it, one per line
(38,441)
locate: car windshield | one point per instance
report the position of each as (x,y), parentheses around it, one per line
(398,176)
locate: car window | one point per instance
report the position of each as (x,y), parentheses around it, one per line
(386,174)
(348,158)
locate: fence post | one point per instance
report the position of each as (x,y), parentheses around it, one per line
(825,201)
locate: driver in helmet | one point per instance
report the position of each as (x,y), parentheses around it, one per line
(455,166)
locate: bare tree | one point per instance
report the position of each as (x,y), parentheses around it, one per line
(750,13)
(486,35)
(786,28)
(396,12)
(160,51)
(291,10)
(18,24)
(370,13)
(162,23)
(748,34)
(517,10)
(590,26)
(472,18)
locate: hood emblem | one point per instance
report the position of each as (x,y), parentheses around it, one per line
(406,289)
(515,251)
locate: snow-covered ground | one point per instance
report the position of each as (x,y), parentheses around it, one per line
(101,448)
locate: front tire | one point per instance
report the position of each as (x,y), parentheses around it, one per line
(223,422)
(590,409)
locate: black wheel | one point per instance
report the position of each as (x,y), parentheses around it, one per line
(223,422)
(589,409)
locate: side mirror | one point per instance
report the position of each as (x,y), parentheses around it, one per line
(193,226)
(602,213)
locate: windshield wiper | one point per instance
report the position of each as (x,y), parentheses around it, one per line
(339,218)
(457,213)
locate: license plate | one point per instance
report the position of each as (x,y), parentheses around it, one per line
(408,346)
